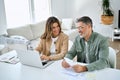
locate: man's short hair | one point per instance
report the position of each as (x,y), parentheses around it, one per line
(85,19)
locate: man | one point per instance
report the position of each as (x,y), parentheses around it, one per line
(89,47)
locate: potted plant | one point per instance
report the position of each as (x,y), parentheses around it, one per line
(107,16)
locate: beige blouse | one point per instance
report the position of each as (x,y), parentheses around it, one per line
(61,46)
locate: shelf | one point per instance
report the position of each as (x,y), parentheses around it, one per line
(116,34)
(118,37)
(116,31)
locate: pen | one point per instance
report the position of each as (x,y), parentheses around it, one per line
(11,58)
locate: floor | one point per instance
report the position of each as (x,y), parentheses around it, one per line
(116,45)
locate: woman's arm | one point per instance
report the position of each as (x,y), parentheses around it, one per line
(39,48)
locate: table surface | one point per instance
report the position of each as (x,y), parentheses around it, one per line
(52,72)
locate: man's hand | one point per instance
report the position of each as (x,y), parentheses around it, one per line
(79,68)
(44,57)
(65,64)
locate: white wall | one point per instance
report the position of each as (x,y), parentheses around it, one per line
(2,18)
(116,6)
(58,8)
(78,8)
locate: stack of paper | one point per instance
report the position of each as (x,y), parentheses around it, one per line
(77,76)
(10,57)
(70,70)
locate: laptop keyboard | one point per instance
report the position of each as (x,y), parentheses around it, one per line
(43,63)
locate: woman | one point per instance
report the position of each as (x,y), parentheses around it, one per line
(54,43)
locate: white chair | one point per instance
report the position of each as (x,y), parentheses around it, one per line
(112,57)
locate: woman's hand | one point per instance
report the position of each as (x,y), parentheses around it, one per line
(44,57)
(65,64)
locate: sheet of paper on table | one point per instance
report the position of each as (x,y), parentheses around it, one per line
(10,57)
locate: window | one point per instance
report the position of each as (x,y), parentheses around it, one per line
(21,12)
(17,12)
(42,9)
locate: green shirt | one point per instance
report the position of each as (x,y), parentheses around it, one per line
(97,51)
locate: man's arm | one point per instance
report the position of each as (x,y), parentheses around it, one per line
(72,52)
(102,62)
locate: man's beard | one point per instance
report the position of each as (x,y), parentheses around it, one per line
(82,36)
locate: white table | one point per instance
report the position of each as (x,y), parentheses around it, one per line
(52,72)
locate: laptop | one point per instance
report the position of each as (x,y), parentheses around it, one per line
(32,58)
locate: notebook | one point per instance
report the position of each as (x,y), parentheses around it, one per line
(32,58)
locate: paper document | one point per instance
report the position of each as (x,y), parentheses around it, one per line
(77,76)
(10,57)
(70,70)
(71,62)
